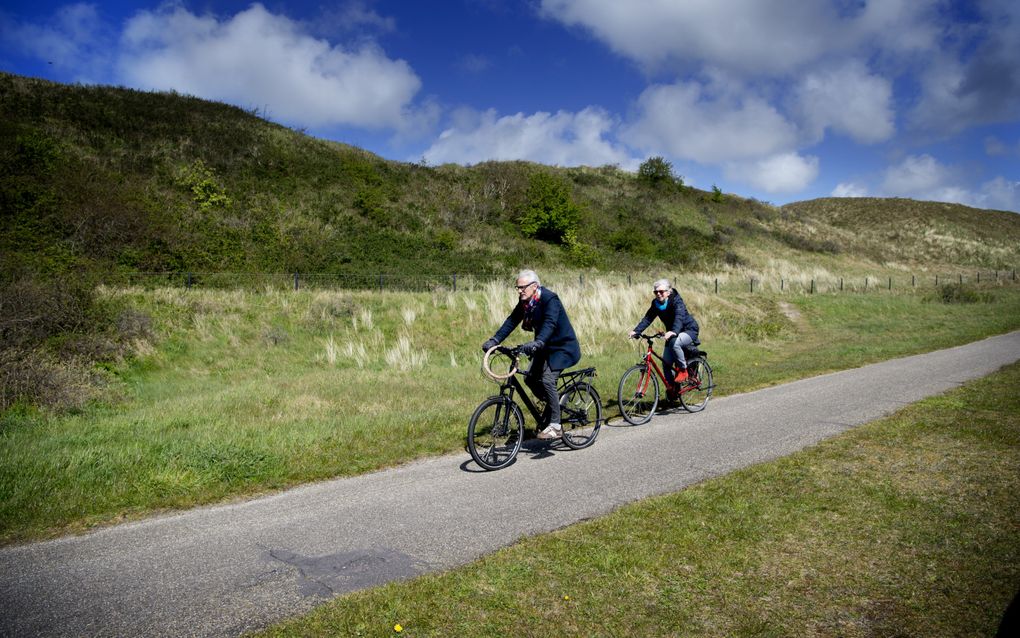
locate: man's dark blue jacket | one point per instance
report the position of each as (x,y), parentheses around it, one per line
(552,328)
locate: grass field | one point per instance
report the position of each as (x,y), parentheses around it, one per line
(906,526)
(241,392)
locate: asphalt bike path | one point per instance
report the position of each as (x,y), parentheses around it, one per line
(226,569)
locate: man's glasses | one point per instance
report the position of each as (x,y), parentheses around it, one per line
(524,287)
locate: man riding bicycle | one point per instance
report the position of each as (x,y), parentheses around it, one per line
(554,348)
(681,328)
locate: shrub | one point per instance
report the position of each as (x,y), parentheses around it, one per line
(551,213)
(957,293)
(656,171)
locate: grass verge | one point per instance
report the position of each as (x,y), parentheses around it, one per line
(244,392)
(906,526)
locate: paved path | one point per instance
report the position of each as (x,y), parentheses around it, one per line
(223,570)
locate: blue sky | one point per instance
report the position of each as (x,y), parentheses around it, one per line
(781,100)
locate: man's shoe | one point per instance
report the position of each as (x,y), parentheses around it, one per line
(554,431)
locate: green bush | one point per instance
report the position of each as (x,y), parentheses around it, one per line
(551,213)
(958,293)
(656,171)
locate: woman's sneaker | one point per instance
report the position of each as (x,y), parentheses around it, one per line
(681,376)
(554,431)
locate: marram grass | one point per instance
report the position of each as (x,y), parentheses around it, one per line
(242,392)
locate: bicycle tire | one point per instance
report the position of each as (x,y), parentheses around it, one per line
(580,415)
(696,398)
(495,433)
(638,394)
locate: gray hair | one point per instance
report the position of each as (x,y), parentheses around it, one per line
(661,283)
(530,276)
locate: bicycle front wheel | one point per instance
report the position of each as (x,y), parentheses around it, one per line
(638,394)
(580,415)
(495,433)
(695,395)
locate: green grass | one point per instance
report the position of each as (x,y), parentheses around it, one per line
(905,526)
(246,392)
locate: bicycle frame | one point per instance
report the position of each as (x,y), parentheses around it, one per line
(512,385)
(649,361)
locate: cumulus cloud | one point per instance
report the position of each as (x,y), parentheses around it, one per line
(978,80)
(925,178)
(562,138)
(260,59)
(746,36)
(849,189)
(781,173)
(848,99)
(918,176)
(684,121)
(1000,194)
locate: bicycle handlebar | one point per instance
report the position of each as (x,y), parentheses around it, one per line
(649,338)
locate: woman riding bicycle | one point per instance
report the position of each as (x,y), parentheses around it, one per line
(681,328)
(554,348)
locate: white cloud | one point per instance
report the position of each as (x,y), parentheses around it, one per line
(747,37)
(925,178)
(849,189)
(563,139)
(781,173)
(258,59)
(975,79)
(848,99)
(1000,194)
(681,120)
(918,176)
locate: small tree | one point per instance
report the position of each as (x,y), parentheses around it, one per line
(717,194)
(550,213)
(655,171)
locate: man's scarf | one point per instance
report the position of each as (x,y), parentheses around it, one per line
(531,313)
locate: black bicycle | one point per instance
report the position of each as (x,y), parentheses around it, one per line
(496,430)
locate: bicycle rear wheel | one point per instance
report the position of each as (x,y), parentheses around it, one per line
(580,415)
(495,433)
(638,394)
(697,391)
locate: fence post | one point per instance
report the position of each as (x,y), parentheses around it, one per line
(913,281)
(717,285)
(865,284)
(295,281)
(580,280)
(890,283)
(752,285)
(455,282)
(979,277)
(782,284)
(628,280)
(812,286)
(189,281)
(961,279)
(841,284)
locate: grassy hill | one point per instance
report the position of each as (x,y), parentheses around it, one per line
(100,183)
(118,181)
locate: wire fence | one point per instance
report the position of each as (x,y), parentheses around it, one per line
(722,283)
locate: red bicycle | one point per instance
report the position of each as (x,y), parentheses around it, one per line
(639,387)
